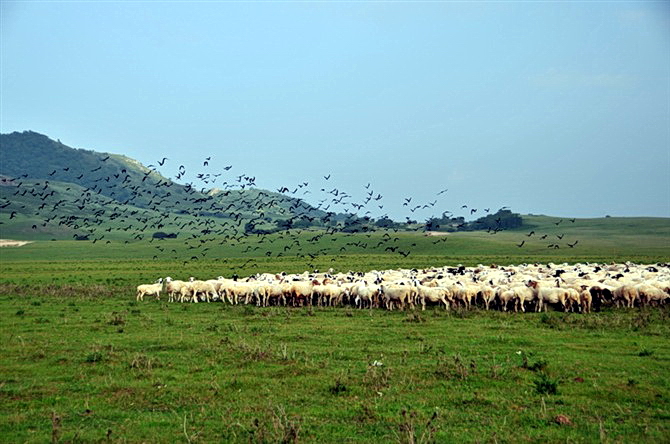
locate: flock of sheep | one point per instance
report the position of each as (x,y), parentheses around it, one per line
(525,287)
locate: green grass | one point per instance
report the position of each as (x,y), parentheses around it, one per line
(155,372)
(82,361)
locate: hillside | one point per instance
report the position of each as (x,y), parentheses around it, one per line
(50,189)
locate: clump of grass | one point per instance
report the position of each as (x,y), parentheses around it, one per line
(545,385)
(285,429)
(539,365)
(117,319)
(95,356)
(367,414)
(20,312)
(552,321)
(641,321)
(414,317)
(55,427)
(255,352)
(644,352)
(456,367)
(338,387)
(632,382)
(410,434)
(144,362)
(377,377)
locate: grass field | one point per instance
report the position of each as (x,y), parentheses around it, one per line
(88,367)
(81,361)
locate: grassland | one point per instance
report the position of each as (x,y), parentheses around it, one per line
(111,368)
(81,361)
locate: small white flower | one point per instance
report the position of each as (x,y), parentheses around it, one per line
(519,352)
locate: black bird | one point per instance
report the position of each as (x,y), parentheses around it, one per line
(105,159)
(572,220)
(326,177)
(557,223)
(530,234)
(228,167)
(443,191)
(206,162)
(521,244)
(572,245)
(162,162)
(561,236)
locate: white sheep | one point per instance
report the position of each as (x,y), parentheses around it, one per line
(150,289)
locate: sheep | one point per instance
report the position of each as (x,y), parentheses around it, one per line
(434,295)
(625,295)
(548,295)
(573,298)
(301,293)
(150,289)
(275,292)
(585,300)
(400,294)
(487,294)
(364,293)
(649,293)
(523,295)
(505,296)
(173,287)
(206,288)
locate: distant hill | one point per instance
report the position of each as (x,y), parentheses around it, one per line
(44,183)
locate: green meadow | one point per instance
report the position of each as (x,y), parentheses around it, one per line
(82,361)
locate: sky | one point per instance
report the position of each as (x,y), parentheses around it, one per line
(557,108)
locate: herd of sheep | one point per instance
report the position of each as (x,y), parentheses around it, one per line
(525,287)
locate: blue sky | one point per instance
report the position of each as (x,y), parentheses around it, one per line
(559,108)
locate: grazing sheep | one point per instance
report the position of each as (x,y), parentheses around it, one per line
(585,300)
(398,294)
(173,288)
(150,289)
(435,295)
(364,294)
(207,289)
(548,295)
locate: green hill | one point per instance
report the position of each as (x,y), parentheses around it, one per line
(48,189)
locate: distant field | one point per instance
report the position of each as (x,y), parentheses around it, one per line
(642,240)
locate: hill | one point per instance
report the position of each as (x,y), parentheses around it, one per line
(50,189)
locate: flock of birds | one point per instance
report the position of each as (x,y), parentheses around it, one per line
(139,203)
